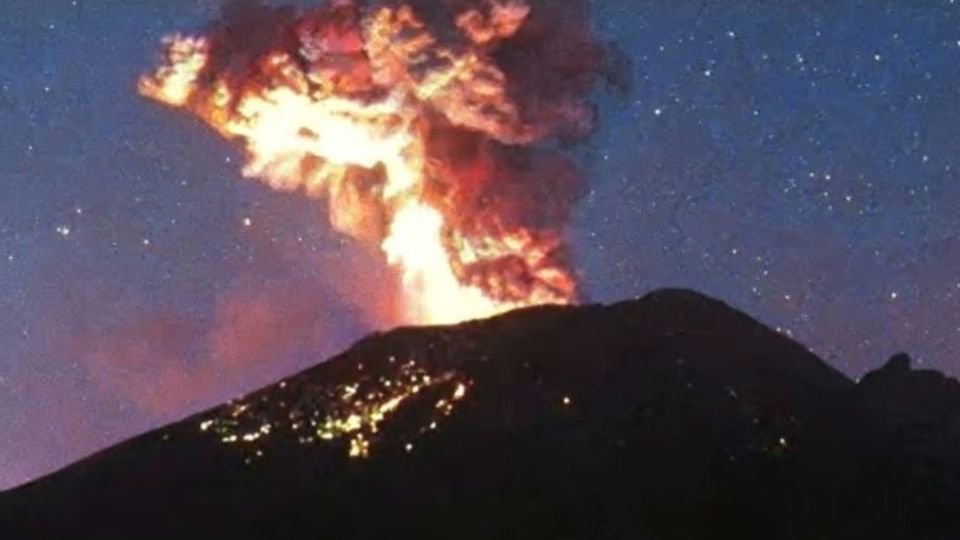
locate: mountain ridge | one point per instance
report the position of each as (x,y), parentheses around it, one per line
(669,416)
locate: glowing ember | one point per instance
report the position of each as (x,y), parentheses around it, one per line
(417,130)
(353,411)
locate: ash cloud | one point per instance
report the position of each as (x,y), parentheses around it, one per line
(500,89)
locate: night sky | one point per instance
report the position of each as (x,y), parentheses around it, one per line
(797,160)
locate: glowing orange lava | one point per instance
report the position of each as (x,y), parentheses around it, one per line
(413,139)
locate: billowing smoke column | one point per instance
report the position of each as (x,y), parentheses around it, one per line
(430,127)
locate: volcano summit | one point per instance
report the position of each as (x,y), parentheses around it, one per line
(668,417)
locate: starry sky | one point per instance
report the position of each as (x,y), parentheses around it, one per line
(797,160)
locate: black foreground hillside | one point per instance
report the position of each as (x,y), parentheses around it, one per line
(669,417)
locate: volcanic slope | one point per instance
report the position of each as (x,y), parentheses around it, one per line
(668,417)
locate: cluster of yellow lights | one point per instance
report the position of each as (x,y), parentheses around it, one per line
(354,411)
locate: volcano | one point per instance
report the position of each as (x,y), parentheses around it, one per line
(670,416)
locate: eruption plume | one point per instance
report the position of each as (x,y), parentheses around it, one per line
(431,128)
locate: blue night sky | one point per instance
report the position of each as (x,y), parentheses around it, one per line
(797,160)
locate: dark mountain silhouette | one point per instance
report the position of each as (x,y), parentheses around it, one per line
(669,417)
